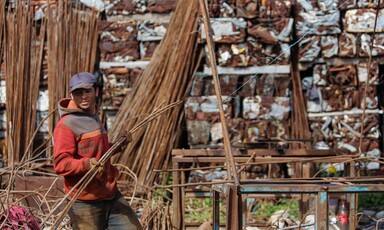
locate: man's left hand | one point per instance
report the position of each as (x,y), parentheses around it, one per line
(127,138)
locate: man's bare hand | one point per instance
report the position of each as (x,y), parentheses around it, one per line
(93,162)
(128,138)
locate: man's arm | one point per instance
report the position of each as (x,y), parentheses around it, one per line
(64,162)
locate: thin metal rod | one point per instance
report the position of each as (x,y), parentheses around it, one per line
(212,58)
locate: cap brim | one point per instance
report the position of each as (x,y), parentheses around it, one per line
(82,86)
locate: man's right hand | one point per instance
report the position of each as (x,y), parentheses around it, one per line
(93,162)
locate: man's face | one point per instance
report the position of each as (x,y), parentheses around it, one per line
(85,98)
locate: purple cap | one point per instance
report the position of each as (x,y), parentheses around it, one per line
(83,80)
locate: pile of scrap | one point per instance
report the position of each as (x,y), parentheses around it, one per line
(269,52)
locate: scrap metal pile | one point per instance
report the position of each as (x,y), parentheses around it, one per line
(263,105)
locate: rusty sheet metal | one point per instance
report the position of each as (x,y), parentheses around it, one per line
(271,31)
(147,49)
(228,85)
(337,88)
(248,84)
(362,72)
(255,51)
(198,132)
(309,48)
(364,43)
(226,30)
(343,132)
(350,75)
(206,133)
(350,4)
(313,18)
(198,84)
(125,7)
(369,3)
(265,107)
(344,75)
(251,53)
(227,9)
(233,55)
(247,8)
(161,6)
(202,118)
(255,130)
(149,30)
(277,85)
(279,54)
(347,45)
(262,132)
(337,98)
(320,75)
(275,8)
(363,20)
(118,41)
(205,108)
(117,83)
(329,46)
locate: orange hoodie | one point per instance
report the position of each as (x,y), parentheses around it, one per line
(78,137)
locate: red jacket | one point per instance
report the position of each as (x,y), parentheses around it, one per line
(78,137)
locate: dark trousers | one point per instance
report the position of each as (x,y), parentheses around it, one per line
(107,214)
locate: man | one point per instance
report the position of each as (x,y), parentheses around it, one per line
(80,141)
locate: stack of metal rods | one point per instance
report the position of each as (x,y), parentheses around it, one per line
(300,126)
(72,43)
(164,81)
(22,59)
(2,21)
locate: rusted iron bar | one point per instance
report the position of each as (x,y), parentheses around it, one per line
(232,200)
(212,58)
(276,181)
(259,152)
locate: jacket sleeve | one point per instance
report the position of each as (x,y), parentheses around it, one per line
(65,160)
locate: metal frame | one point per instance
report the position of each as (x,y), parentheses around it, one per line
(182,156)
(321,190)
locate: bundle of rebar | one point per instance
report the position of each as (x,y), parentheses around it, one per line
(299,120)
(23,46)
(164,81)
(72,43)
(2,21)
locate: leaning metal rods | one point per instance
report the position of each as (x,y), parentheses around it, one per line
(212,58)
(87,178)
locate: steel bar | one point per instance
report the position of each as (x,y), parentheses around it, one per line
(212,58)
(321,211)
